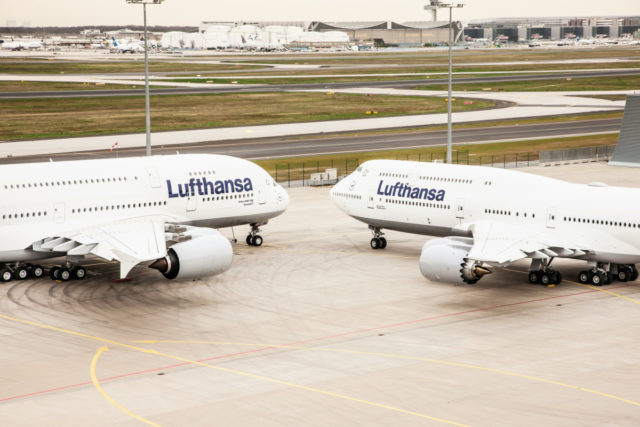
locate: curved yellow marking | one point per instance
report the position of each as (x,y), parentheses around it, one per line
(228,370)
(399,356)
(104,394)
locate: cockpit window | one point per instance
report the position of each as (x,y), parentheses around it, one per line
(359,169)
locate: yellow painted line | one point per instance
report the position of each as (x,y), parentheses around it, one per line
(104,394)
(398,356)
(228,370)
(597,288)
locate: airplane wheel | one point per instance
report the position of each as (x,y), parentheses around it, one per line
(248,240)
(21,273)
(583,277)
(546,279)
(383,243)
(6,275)
(37,271)
(54,273)
(256,240)
(598,279)
(375,243)
(634,273)
(623,274)
(558,278)
(534,277)
(64,274)
(79,273)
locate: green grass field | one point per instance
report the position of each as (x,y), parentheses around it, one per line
(568,84)
(64,117)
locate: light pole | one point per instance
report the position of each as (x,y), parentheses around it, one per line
(146,67)
(433,6)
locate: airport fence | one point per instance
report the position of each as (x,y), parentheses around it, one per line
(571,155)
(296,174)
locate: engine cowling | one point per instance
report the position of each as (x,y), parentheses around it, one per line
(445,260)
(208,253)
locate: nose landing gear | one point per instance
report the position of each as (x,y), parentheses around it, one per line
(378,242)
(253,238)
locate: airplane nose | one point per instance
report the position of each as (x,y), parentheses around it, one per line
(283,196)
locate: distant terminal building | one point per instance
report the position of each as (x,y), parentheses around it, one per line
(522,29)
(416,33)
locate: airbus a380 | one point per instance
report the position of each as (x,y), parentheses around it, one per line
(488,217)
(132,210)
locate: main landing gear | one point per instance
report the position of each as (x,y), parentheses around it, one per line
(254,239)
(20,272)
(604,273)
(66,272)
(35,271)
(541,273)
(378,242)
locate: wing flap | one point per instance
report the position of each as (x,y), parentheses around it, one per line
(130,241)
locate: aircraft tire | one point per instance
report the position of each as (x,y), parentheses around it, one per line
(21,273)
(558,278)
(248,240)
(584,277)
(534,277)
(375,243)
(598,279)
(383,243)
(37,271)
(634,273)
(64,274)
(546,279)
(256,240)
(54,273)
(623,274)
(6,275)
(78,273)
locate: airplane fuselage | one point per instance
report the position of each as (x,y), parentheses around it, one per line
(50,199)
(439,199)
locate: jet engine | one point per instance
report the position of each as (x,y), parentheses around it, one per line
(445,260)
(207,253)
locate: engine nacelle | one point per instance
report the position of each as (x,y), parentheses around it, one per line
(445,260)
(208,253)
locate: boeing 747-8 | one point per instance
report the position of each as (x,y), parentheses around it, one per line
(132,210)
(488,217)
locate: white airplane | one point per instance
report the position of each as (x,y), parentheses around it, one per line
(490,217)
(132,210)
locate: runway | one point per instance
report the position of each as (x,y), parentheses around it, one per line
(410,83)
(260,148)
(315,328)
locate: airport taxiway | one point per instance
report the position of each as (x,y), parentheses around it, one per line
(315,328)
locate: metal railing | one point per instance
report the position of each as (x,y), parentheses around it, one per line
(296,174)
(583,154)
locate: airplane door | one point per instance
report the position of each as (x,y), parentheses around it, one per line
(58,213)
(551,218)
(192,203)
(460,208)
(154,178)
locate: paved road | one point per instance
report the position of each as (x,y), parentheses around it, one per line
(346,143)
(341,85)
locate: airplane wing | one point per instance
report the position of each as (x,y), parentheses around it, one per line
(129,241)
(500,244)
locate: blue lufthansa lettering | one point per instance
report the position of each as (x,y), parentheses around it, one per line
(404,190)
(203,187)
